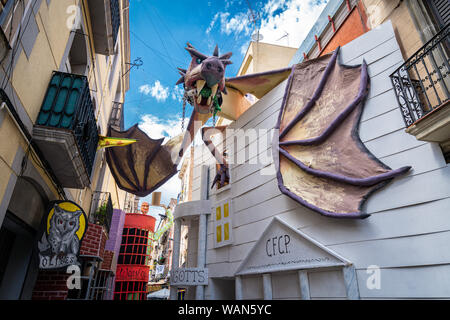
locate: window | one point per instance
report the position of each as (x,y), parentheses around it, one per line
(440,10)
(223,227)
(12,13)
(77,61)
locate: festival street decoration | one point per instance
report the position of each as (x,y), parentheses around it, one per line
(322,163)
(158,233)
(59,245)
(141,167)
(144,166)
(107,142)
(320,159)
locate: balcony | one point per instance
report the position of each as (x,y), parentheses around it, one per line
(66,130)
(101,209)
(105,20)
(422,85)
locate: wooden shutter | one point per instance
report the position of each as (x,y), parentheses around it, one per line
(441,11)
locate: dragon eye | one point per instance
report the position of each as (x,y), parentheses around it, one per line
(71,223)
(198,60)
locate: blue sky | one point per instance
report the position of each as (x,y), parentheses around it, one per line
(160,30)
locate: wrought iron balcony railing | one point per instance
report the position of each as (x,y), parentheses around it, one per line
(101,209)
(422,83)
(66,129)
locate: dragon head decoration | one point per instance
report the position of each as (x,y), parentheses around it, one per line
(320,160)
(204,80)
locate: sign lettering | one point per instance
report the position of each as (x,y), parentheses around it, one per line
(189,277)
(136,273)
(277,245)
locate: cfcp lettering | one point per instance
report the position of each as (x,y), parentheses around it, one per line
(277,245)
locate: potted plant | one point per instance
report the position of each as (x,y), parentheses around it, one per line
(100,214)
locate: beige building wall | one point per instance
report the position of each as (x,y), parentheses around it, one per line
(413,27)
(29,78)
(379,11)
(262,57)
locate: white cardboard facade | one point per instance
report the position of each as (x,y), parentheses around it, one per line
(408,232)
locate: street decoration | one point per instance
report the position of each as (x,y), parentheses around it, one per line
(106,142)
(321,161)
(144,166)
(158,233)
(145,207)
(64,227)
(141,167)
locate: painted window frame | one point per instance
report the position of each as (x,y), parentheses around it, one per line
(216,190)
(220,221)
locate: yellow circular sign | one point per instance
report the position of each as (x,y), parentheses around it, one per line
(70,207)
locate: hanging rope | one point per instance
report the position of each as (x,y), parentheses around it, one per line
(184,111)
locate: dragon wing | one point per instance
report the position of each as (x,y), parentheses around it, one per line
(141,167)
(321,161)
(257,84)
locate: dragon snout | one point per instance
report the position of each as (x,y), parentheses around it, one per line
(212,71)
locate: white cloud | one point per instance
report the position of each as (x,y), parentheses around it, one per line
(157,90)
(177,93)
(157,128)
(213,22)
(244,48)
(161,93)
(240,23)
(296,21)
(278,18)
(145,89)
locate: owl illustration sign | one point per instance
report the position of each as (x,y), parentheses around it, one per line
(59,245)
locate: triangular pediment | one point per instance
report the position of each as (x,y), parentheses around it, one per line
(282,247)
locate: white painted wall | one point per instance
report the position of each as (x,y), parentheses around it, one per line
(408,233)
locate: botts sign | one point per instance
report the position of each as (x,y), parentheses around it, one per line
(189,277)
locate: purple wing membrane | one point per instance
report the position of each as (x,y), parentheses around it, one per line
(323,130)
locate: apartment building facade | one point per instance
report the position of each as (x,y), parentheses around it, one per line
(64,78)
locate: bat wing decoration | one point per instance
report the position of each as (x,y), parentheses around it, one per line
(142,167)
(321,161)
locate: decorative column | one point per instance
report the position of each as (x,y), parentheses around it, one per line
(201,253)
(175,254)
(238,288)
(267,286)
(202,234)
(304,285)
(351,282)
